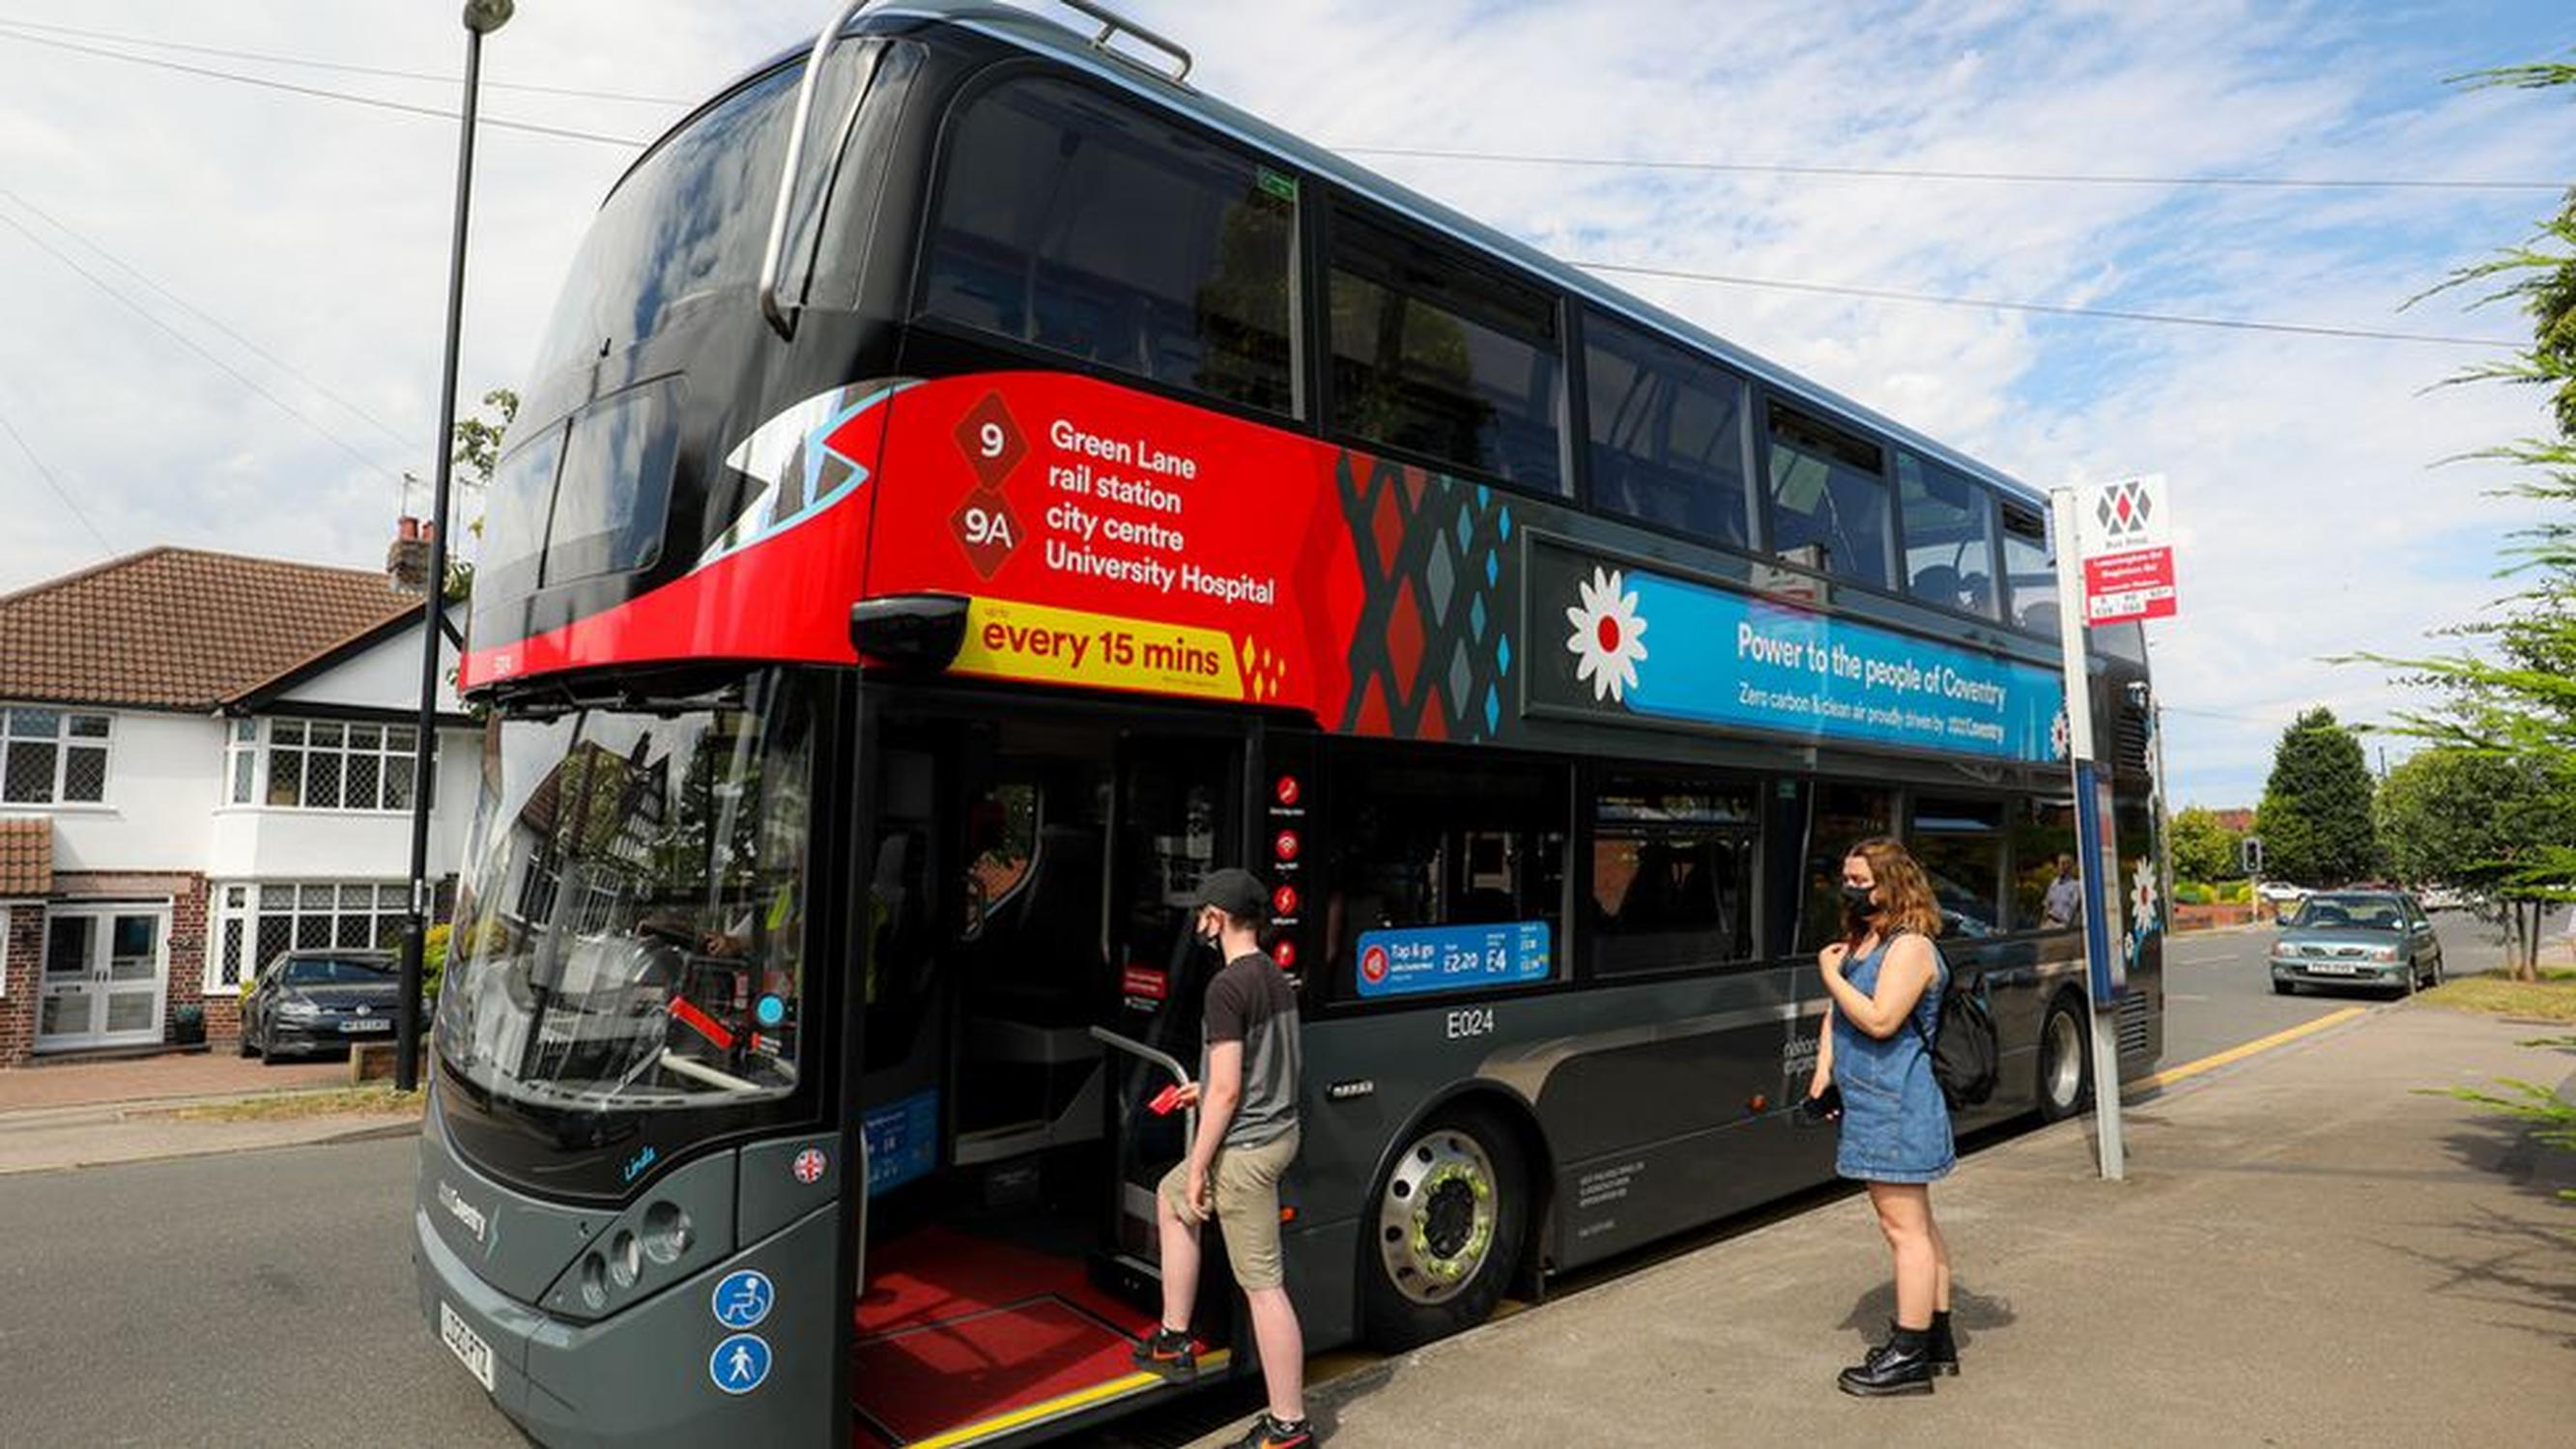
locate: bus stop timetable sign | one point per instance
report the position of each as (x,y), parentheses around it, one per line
(2124,532)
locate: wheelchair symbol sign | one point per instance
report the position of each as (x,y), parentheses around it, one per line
(740,1363)
(742,1299)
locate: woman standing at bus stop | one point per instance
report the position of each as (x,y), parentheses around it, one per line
(1874,1049)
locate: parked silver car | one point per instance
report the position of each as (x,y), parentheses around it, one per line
(2378,939)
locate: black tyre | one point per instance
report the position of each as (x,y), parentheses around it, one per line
(2283,988)
(2065,1070)
(1453,1212)
(2437,970)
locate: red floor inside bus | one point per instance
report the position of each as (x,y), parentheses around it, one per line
(960,1335)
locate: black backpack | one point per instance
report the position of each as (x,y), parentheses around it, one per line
(1967,1057)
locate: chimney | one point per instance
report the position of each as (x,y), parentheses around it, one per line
(407,557)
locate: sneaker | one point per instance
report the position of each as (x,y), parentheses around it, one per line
(1172,1354)
(1268,1433)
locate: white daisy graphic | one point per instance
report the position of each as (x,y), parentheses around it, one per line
(2142,894)
(2061,736)
(1609,638)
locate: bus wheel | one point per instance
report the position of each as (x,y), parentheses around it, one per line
(2064,1079)
(1451,1216)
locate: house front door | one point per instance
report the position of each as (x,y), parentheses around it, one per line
(106,971)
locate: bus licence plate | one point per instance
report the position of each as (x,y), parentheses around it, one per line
(467,1345)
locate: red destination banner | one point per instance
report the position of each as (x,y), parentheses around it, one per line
(2125,586)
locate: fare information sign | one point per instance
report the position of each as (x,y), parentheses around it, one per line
(2125,537)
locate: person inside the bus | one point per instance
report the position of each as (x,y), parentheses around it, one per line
(1875,1048)
(1246,1098)
(2065,896)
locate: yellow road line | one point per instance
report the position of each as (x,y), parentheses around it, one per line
(2172,1075)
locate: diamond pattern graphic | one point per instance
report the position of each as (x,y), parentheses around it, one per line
(1431,655)
(990,438)
(987,529)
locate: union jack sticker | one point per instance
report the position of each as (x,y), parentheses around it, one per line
(810,1165)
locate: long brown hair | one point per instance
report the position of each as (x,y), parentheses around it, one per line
(1901,883)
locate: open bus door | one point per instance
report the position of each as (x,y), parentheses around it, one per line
(1030,987)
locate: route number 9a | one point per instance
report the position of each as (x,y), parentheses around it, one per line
(984,525)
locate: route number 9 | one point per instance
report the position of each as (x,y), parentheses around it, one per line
(992,439)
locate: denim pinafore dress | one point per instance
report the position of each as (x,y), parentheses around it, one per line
(1895,1126)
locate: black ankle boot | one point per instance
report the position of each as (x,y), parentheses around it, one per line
(1940,1347)
(1902,1365)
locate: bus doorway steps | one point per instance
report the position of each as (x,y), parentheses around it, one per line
(962,1339)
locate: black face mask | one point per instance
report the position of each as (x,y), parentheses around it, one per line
(1856,905)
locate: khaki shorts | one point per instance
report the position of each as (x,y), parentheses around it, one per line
(1244,1182)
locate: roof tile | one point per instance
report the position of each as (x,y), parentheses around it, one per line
(26,858)
(177,628)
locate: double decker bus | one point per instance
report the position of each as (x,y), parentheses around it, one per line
(973,485)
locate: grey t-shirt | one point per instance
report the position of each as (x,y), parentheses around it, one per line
(1250,1001)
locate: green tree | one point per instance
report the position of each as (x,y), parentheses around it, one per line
(2477,820)
(2315,816)
(477,455)
(2203,848)
(2515,698)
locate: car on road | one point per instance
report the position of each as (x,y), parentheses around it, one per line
(2349,939)
(307,1002)
(2445,898)
(2282,893)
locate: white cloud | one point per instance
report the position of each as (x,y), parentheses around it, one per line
(2312,521)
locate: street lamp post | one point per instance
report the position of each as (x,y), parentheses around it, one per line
(481,17)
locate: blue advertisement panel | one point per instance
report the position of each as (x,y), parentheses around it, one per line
(1453,958)
(1641,643)
(902,1138)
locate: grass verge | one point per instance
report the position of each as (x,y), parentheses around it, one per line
(2552,998)
(378,1101)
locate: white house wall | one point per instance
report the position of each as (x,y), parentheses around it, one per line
(386,676)
(162,772)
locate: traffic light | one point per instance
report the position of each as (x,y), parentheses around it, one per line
(2249,854)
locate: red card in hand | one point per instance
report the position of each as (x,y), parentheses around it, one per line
(1165,1100)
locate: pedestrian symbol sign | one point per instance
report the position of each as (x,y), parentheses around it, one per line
(740,1363)
(742,1299)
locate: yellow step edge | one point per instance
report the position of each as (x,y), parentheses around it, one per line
(1100,1393)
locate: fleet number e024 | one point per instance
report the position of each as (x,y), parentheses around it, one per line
(1471,1021)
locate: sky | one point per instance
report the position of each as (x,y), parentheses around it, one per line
(224,302)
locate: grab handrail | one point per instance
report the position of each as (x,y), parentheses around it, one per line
(1168,1062)
(771,253)
(1111,23)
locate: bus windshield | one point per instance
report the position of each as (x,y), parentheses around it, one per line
(629,933)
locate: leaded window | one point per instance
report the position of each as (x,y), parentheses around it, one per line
(53,756)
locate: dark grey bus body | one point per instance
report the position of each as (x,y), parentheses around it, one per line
(1559,1123)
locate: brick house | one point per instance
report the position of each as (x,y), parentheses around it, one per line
(205,759)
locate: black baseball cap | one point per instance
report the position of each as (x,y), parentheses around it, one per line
(1238,893)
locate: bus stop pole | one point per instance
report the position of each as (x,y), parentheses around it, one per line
(2093,870)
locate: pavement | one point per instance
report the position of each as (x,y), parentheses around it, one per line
(2307,1250)
(88,1113)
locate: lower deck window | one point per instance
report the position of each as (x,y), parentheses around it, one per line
(1441,845)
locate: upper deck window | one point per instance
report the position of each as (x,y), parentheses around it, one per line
(1828,498)
(688,222)
(1071,223)
(584,497)
(1949,537)
(1436,357)
(2030,569)
(1667,434)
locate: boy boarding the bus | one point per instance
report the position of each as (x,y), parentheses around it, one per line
(1246,1097)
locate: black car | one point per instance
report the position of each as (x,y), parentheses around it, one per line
(306,1002)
